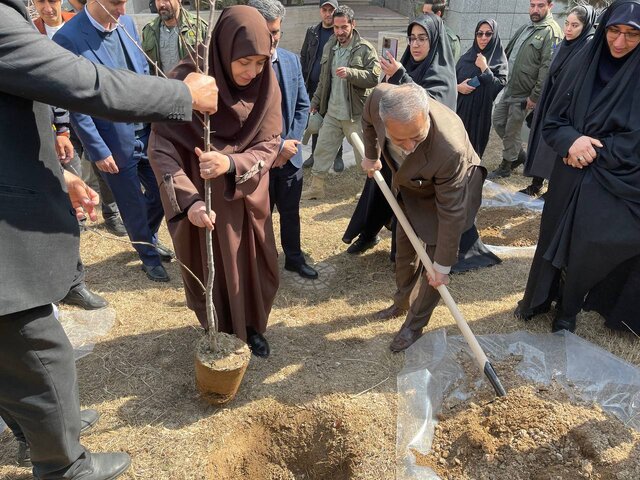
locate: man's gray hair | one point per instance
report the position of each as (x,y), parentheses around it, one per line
(271,10)
(403,103)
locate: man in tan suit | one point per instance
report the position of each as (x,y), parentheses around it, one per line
(438,182)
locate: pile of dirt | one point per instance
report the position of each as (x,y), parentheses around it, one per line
(508,226)
(536,432)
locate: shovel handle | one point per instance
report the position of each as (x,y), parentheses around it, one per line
(468,335)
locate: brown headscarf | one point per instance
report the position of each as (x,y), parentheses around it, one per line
(244,115)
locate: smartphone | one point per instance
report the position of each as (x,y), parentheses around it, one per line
(389,45)
(474,82)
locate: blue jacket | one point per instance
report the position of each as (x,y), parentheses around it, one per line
(102,138)
(295,101)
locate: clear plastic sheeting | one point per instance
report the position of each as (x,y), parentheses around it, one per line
(496,195)
(84,327)
(505,250)
(431,370)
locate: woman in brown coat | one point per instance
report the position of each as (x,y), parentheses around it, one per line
(245,140)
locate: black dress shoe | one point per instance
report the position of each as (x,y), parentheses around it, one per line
(389,312)
(404,339)
(114,225)
(363,244)
(84,298)
(562,322)
(104,466)
(304,270)
(257,344)
(156,273)
(88,419)
(166,254)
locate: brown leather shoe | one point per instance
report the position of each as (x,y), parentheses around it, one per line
(404,339)
(389,312)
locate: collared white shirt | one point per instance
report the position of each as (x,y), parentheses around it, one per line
(95,23)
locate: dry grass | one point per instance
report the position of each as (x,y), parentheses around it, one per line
(326,350)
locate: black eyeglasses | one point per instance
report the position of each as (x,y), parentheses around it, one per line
(484,34)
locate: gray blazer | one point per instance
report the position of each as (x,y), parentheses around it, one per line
(39,237)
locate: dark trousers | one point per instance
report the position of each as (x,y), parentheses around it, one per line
(285,188)
(141,211)
(39,391)
(413,290)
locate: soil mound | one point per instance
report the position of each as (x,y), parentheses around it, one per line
(536,432)
(508,226)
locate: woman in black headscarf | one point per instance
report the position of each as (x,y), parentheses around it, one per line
(589,242)
(578,31)
(485,62)
(427,61)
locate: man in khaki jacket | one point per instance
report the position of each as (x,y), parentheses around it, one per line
(438,182)
(349,70)
(529,53)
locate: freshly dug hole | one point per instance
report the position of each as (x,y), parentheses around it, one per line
(537,432)
(286,443)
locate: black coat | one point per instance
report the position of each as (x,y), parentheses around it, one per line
(39,235)
(590,227)
(475,108)
(540,156)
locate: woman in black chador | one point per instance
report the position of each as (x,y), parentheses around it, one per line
(588,254)
(578,31)
(486,63)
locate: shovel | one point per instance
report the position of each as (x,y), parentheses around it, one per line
(479,355)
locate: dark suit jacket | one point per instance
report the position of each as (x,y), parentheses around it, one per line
(295,101)
(38,232)
(439,183)
(102,138)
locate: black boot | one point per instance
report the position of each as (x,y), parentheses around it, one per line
(535,188)
(503,171)
(338,163)
(308,163)
(522,157)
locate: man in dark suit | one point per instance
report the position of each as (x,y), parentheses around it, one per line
(39,233)
(438,180)
(119,149)
(285,177)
